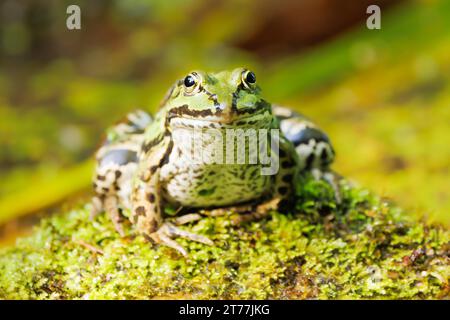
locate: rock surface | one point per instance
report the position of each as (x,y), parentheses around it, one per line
(362,248)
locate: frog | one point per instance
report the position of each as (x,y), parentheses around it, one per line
(143,167)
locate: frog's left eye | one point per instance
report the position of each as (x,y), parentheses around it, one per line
(248,79)
(191,82)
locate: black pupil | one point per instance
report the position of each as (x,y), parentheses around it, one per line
(250,78)
(189,81)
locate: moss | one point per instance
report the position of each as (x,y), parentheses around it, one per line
(362,248)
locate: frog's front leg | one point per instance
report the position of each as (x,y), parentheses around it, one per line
(147,209)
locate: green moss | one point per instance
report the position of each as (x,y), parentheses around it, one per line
(363,248)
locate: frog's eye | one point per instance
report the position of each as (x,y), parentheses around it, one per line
(248,79)
(191,82)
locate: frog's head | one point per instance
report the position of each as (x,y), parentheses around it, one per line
(224,97)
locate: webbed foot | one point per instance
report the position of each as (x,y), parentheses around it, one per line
(246,212)
(258,212)
(167,231)
(332,178)
(187,218)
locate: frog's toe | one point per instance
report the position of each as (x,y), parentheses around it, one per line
(187,218)
(111,206)
(166,240)
(96,207)
(173,231)
(332,178)
(258,212)
(167,231)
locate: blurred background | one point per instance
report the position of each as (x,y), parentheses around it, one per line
(382,95)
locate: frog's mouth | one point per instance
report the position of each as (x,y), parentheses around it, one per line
(216,121)
(183,116)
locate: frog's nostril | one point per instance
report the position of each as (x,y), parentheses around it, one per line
(221,106)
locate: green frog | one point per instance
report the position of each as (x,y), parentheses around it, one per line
(146,163)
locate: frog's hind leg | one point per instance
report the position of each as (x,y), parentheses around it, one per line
(116,164)
(112,183)
(312,145)
(131,127)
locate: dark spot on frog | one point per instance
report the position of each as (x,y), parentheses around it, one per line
(253,174)
(287,164)
(287,178)
(151,197)
(140,211)
(206,192)
(153,225)
(118,174)
(282,190)
(323,154)
(153,169)
(101,178)
(309,160)
(306,135)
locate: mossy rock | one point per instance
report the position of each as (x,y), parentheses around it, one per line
(361,248)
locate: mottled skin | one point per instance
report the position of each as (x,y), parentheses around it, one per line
(143,165)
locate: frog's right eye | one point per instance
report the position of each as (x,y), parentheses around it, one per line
(191,82)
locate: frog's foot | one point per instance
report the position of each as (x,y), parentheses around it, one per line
(167,231)
(257,212)
(111,207)
(187,218)
(96,207)
(332,178)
